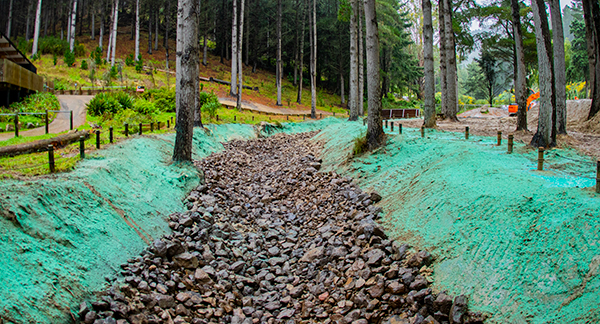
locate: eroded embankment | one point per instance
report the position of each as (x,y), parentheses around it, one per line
(61,235)
(522,244)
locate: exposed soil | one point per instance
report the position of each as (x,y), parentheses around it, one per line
(582,135)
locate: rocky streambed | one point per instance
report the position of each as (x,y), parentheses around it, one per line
(270,239)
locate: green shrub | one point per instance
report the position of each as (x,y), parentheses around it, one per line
(92,75)
(78,49)
(53,45)
(124,99)
(84,65)
(211,108)
(144,107)
(69,58)
(55,59)
(23,45)
(36,102)
(96,55)
(114,72)
(103,103)
(139,65)
(206,97)
(360,145)
(163,98)
(129,60)
(59,84)
(35,56)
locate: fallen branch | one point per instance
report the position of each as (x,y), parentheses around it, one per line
(42,145)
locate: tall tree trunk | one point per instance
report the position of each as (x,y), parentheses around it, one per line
(560,81)
(110,33)
(546,132)
(443,61)
(429,82)
(361,64)
(167,25)
(187,86)
(101,32)
(36,32)
(9,22)
(149,31)
(279,64)
(301,63)
(341,68)
(375,135)
(451,77)
(156,24)
(591,13)
(114,31)
(353,99)
(239,55)
(296,41)
(93,22)
(246,21)
(313,63)
(520,68)
(137,30)
(73,24)
(234,42)
(29,19)
(205,48)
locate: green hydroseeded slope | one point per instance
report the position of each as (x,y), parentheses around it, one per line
(523,245)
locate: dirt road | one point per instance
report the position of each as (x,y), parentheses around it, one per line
(61,123)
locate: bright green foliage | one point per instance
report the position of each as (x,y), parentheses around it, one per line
(139,64)
(129,61)
(52,45)
(577,66)
(36,102)
(211,108)
(144,107)
(69,58)
(114,72)
(103,103)
(96,55)
(210,103)
(163,98)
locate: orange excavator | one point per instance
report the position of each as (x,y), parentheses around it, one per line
(513,108)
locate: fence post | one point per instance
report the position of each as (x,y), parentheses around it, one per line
(386,123)
(46,118)
(151,127)
(467,132)
(110,134)
(499,138)
(140,132)
(171,120)
(217,117)
(51,158)
(126,130)
(252,117)
(422,131)
(399,128)
(82,147)
(540,159)
(71,120)
(304,117)
(392,125)
(364,121)
(157,125)
(168,124)
(97,139)
(334,114)
(16,124)
(510,143)
(321,116)
(598,176)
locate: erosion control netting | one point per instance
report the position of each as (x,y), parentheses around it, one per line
(522,244)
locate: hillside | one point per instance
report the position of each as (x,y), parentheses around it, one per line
(155,75)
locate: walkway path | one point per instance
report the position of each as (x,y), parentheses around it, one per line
(266,109)
(61,122)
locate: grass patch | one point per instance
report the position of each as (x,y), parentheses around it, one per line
(360,145)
